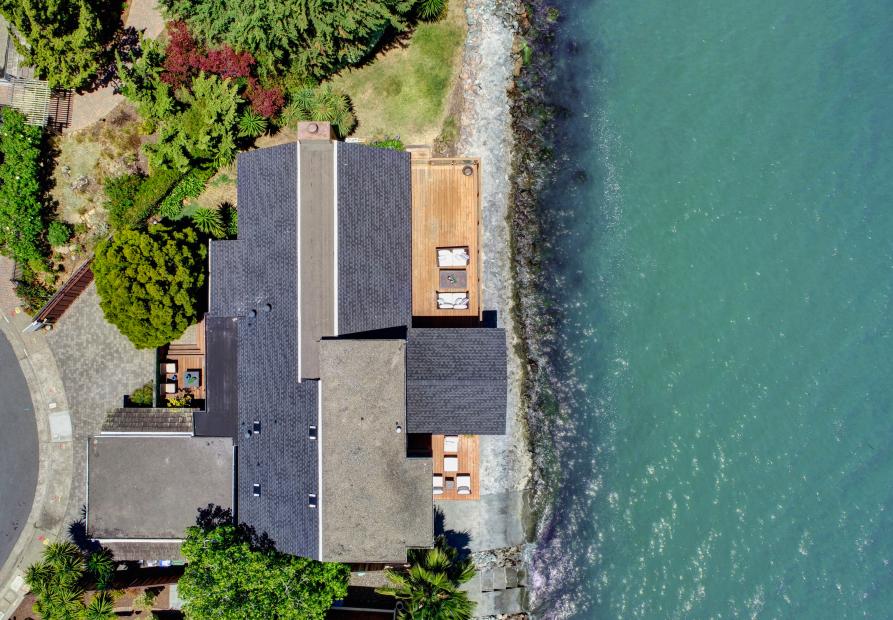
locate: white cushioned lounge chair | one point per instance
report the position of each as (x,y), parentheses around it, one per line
(451,444)
(450,463)
(463,485)
(438,484)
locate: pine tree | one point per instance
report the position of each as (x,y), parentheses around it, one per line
(59,38)
(301,37)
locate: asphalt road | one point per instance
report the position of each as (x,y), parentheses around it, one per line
(18,450)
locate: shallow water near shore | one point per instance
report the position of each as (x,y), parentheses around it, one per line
(720,244)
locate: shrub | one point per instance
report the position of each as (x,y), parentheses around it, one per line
(190,186)
(265,101)
(385,142)
(183,400)
(59,234)
(150,283)
(131,199)
(230,219)
(431,9)
(209,221)
(142,397)
(321,103)
(251,124)
(203,132)
(61,38)
(186,58)
(21,225)
(58,579)
(33,293)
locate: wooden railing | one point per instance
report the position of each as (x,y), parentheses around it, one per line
(64,297)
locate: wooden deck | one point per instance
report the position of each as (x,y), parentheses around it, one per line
(188,353)
(469,463)
(445,214)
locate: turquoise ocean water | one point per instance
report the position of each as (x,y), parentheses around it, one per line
(721,227)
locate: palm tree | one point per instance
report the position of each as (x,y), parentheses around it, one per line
(100,607)
(430,590)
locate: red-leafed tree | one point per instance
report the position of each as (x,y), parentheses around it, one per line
(227,63)
(185,58)
(265,101)
(182,55)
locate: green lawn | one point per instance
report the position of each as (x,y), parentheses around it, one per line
(404,90)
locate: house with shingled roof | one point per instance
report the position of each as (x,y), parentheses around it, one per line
(350,363)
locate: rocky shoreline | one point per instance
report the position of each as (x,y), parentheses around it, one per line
(505,120)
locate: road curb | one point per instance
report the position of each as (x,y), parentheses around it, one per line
(46,521)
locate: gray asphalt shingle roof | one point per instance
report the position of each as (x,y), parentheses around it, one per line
(456,381)
(281,458)
(374,239)
(227,281)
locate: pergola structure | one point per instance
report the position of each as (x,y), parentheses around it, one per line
(19,88)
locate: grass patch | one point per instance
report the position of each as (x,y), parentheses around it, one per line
(405,89)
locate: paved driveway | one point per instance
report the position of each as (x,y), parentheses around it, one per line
(18,450)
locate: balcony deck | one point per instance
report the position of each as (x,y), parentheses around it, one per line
(445,214)
(469,464)
(188,353)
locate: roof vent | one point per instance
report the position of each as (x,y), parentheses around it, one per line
(256,427)
(467,171)
(252,313)
(311,500)
(312,431)
(398,429)
(267,307)
(256,490)
(313,128)
(247,434)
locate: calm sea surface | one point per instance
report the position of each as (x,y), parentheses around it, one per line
(722,230)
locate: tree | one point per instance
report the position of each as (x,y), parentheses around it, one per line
(203,131)
(59,38)
(430,588)
(59,582)
(301,37)
(231,576)
(150,282)
(21,224)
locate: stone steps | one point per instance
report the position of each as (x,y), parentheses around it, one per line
(498,590)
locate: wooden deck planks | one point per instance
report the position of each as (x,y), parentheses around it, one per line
(445,213)
(469,463)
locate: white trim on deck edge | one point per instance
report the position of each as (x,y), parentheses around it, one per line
(319,506)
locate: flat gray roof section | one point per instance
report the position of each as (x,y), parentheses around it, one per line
(456,381)
(374,239)
(375,502)
(153,487)
(316,257)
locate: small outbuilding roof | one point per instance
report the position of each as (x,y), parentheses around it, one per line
(456,381)
(152,487)
(375,502)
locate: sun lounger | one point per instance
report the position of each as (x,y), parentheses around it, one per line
(170,388)
(438,484)
(452,257)
(452,301)
(451,444)
(463,485)
(169,368)
(450,463)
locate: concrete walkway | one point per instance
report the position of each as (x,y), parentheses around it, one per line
(46,520)
(144,16)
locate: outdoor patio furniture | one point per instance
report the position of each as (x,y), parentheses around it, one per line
(170,388)
(438,484)
(452,301)
(453,278)
(452,257)
(451,444)
(192,378)
(463,484)
(450,463)
(169,368)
